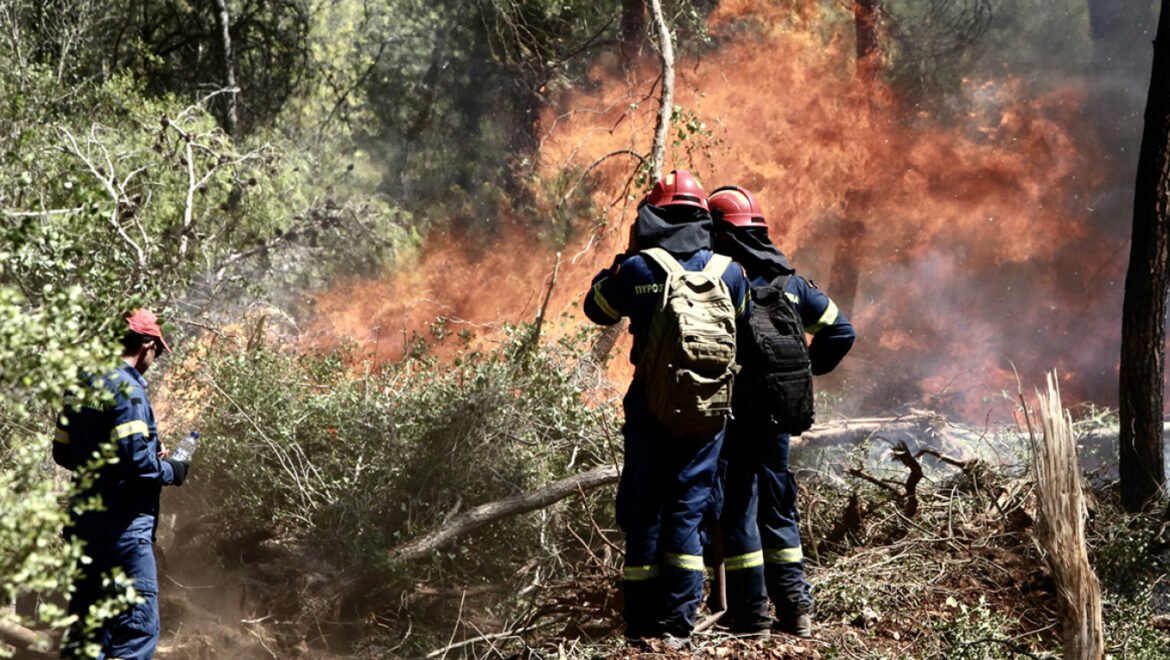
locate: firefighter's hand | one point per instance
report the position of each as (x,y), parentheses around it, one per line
(179,468)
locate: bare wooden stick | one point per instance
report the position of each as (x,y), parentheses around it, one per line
(484,514)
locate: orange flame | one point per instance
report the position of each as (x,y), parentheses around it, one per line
(971,238)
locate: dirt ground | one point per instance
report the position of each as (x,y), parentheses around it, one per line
(956,575)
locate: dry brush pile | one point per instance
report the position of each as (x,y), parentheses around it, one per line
(919,533)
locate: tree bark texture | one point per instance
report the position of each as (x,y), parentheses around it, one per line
(223,22)
(846,269)
(633,30)
(1060,528)
(1143,330)
(666,54)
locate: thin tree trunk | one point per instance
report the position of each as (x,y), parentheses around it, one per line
(666,108)
(223,21)
(609,335)
(1143,328)
(633,30)
(846,269)
(865,14)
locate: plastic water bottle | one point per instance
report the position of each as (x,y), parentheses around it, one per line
(186,448)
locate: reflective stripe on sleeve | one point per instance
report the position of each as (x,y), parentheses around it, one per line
(639,573)
(685,562)
(603,303)
(748,560)
(128,429)
(827,319)
(783,555)
(61,436)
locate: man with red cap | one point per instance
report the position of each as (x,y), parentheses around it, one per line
(667,476)
(119,468)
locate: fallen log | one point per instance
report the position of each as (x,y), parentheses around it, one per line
(484,514)
(955,441)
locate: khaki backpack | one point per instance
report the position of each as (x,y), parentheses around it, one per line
(688,363)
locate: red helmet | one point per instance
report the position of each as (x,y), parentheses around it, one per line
(738,206)
(678,187)
(144,322)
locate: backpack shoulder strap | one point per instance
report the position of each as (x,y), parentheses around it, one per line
(718,264)
(663,258)
(781,281)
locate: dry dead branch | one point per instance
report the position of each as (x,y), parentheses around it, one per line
(1060,527)
(484,514)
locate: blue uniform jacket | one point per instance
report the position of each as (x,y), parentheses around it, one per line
(132,483)
(632,287)
(832,333)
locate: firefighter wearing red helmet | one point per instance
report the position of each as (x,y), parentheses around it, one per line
(678,188)
(119,534)
(667,480)
(759,519)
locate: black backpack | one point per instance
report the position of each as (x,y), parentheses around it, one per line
(777,376)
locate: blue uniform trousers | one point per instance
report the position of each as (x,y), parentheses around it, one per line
(735,505)
(116,541)
(665,490)
(779,524)
(760,527)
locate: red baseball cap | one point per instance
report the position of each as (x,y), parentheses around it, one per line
(144,322)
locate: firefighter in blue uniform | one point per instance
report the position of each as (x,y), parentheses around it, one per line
(666,482)
(114,512)
(760,523)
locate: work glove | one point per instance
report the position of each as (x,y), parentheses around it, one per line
(180,470)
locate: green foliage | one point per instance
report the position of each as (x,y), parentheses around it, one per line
(1130,630)
(115,198)
(975,632)
(360,459)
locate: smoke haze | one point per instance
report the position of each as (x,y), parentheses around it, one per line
(968,240)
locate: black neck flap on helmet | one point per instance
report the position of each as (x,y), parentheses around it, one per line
(679,229)
(751,247)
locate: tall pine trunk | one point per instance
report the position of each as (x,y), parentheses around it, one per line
(1143,332)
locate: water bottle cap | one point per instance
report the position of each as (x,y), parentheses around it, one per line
(194,434)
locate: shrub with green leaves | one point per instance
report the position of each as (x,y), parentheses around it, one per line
(359,458)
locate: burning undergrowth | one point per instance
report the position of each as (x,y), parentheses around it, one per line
(961,245)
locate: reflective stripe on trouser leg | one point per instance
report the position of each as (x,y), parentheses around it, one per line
(779,523)
(783,555)
(747,560)
(747,596)
(689,470)
(787,586)
(639,573)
